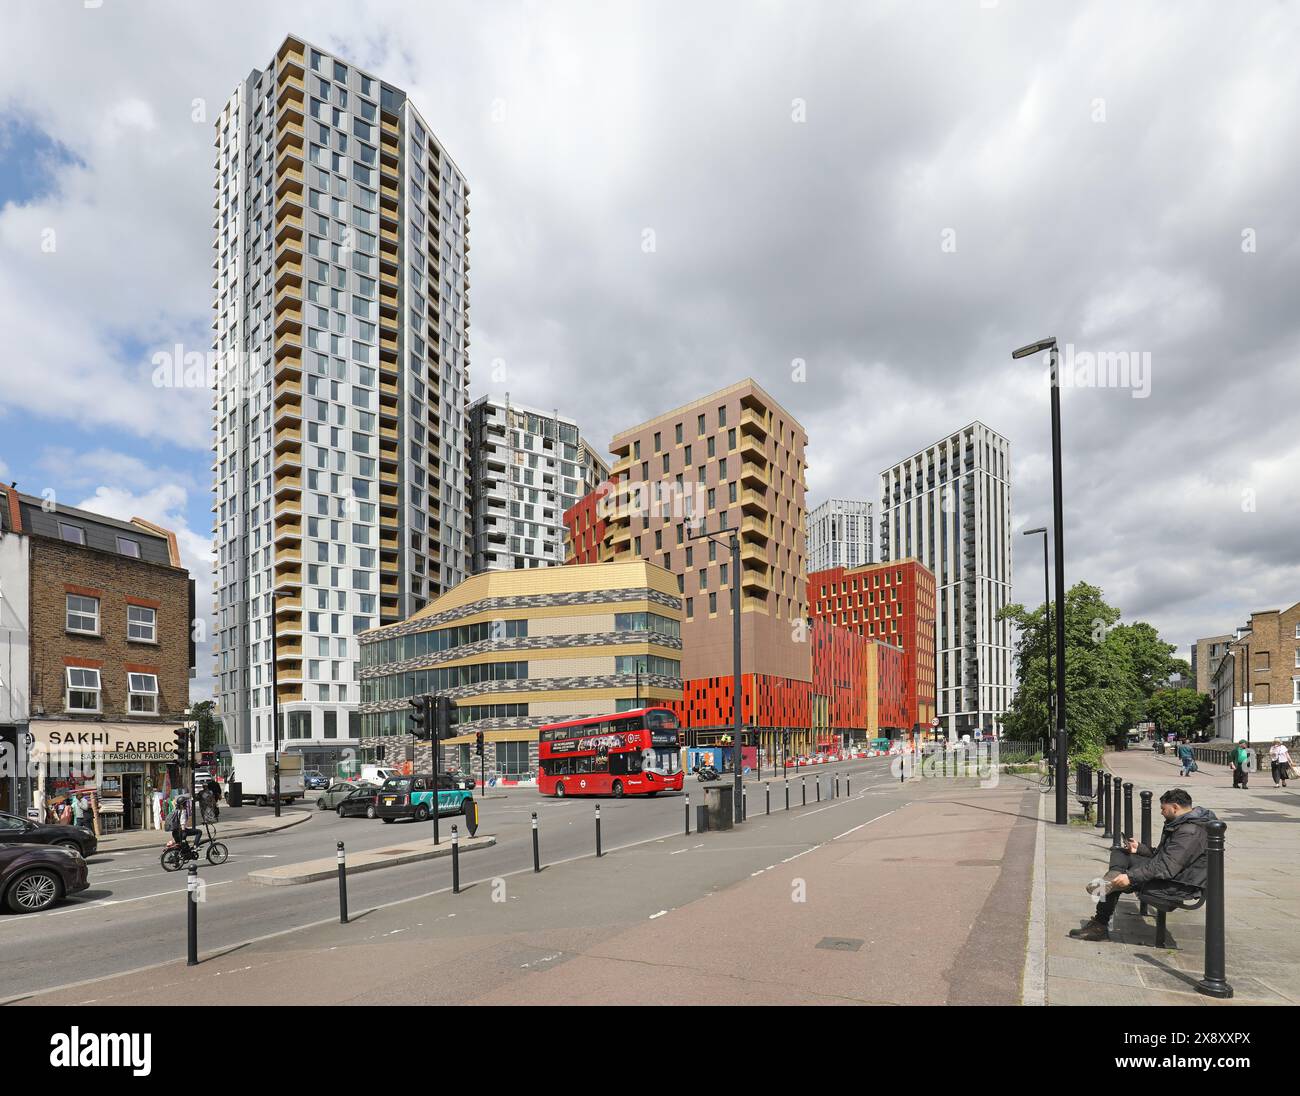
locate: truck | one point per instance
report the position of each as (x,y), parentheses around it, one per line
(256,772)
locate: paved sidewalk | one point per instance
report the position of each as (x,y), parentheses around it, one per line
(402,852)
(148,839)
(911,895)
(1262,895)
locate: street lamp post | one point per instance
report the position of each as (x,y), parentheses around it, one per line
(733,542)
(1058,530)
(1047,631)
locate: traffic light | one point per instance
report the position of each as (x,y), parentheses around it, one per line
(445,707)
(182,751)
(478,744)
(419,717)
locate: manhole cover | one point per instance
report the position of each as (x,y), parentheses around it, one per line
(839,943)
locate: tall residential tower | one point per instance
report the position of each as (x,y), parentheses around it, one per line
(340,457)
(949,506)
(839,535)
(527,467)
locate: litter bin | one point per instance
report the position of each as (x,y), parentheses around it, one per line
(719,805)
(235,793)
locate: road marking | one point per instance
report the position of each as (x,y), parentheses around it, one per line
(123,901)
(866,823)
(679,851)
(659,914)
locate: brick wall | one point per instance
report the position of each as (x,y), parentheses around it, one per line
(55,567)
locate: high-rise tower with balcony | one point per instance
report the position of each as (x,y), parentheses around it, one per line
(949,506)
(340,453)
(527,467)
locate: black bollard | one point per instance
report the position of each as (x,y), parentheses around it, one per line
(598,852)
(787,793)
(455,860)
(848,786)
(1105,804)
(343,883)
(1128,809)
(192,917)
(1215,983)
(837,785)
(1146,836)
(744,803)
(688,814)
(819,787)
(769,798)
(803,788)
(1117,815)
(537,852)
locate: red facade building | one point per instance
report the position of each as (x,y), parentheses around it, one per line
(892,602)
(584,526)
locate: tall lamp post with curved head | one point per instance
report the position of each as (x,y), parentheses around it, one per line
(1058,523)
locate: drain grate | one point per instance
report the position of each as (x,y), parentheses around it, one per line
(839,943)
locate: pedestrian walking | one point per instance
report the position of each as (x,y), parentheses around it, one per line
(1240,758)
(1280,759)
(78,811)
(1185,756)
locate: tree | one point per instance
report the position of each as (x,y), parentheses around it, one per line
(1184,712)
(1111,670)
(204,713)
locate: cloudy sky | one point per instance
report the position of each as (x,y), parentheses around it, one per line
(865,207)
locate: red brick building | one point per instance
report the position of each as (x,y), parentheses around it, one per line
(584,526)
(892,602)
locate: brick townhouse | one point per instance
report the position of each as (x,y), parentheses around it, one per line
(111,652)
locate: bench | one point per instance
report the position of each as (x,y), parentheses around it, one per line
(1164,905)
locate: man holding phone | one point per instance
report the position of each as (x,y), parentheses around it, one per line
(1174,869)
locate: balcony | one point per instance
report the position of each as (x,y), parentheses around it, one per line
(753,554)
(754,502)
(753,580)
(288,229)
(753,423)
(756,528)
(753,605)
(754,475)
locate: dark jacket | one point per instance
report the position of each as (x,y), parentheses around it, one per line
(1180,856)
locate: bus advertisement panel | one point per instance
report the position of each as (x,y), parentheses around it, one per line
(630,753)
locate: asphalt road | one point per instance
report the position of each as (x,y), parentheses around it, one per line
(134,913)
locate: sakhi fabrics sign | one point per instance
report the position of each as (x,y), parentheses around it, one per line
(106,741)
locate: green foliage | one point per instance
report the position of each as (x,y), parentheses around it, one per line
(210,729)
(1181,711)
(1111,672)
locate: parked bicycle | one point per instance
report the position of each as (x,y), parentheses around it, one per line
(175,857)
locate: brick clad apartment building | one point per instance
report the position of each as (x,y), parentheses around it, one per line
(111,652)
(893,603)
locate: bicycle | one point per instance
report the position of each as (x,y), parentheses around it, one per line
(175,857)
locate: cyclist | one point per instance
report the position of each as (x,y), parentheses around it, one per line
(180,822)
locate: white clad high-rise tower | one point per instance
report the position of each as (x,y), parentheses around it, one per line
(340,456)
(950,507)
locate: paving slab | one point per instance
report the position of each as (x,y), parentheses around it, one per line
(404,852)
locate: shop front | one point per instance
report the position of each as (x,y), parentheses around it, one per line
(123,773)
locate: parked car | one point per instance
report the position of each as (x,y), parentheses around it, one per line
(331,797)
(34,877)
(24,832)
(360,804)
(313,779)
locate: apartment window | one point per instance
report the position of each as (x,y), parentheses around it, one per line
(657,441)
(731,439)
(73,534)
(688,456)
(141,624)
(722,416)
(636,452)
(665,464)
(82,690)
(143,693)
(690,606)
(128,547)
(713,603)
(699,425)
(83,615)
(712,446)
(678,436)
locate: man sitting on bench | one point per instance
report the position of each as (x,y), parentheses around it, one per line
(1175,870)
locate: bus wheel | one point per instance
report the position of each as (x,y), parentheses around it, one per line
(617,789)
(652,794)
(559,789)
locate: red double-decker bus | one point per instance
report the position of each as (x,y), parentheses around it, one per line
(631,753)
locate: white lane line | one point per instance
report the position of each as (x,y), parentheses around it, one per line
(124,901)
(678,851)
(866,823)
(659,914)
